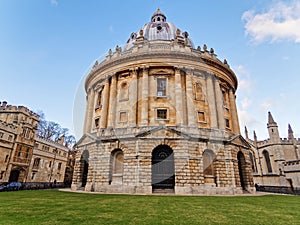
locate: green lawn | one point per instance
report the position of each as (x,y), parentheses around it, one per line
(55,207)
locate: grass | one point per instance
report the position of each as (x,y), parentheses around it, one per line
(55,207)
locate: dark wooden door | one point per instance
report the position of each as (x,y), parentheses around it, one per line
(163,173)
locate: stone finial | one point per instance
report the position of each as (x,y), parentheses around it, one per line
(254,136)
(205,47)
(110,52)
(212,51)
(178,32)
(270,119)
(118,48)
(246,132)
(199,48)
(225,62)
(290,132)
(141,32)
(186,34)
(96,64)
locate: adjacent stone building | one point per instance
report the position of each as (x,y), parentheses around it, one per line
(275,162)
(161,117)
(25,157)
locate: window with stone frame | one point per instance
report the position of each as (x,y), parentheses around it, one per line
(59,166)
(162,114)
(36,163)
(1,135)
(227,123)
(6,158)
(208,158)
(201,116)
(97,122)
(161,87)
(267,161)
(252,163)
(124,91)
(99,100)
(123,117)
(198,91)
(225,98)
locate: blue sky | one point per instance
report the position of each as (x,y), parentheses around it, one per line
(47,46)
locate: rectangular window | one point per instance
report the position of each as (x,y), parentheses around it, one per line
(162,114)
(161,87)
(123,116)
(201,117)
(97,122)
(227,123)
(59,166)
(9,137)
(50,163)
(1,134)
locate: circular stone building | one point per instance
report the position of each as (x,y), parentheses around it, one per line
(161,118)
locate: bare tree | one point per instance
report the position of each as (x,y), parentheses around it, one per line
(53,131)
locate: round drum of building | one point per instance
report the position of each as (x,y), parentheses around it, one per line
(161,117)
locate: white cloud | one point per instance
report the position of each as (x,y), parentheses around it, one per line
(280,22)
(267,105)
(54,2)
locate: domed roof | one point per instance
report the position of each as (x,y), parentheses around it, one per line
(158,29)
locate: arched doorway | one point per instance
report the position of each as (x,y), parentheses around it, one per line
(208,167)
(14,176)
(116,167)
(242,169)
(163,172)
(84,164)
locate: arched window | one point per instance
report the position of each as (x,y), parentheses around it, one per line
(117,160)
(198,91)
(36,163)
(268,162)
(208,158)
(99,100)
(252,162)
(124,91)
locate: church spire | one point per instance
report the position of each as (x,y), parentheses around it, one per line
(246,132)
(290,132)
(271,121)
(273,129)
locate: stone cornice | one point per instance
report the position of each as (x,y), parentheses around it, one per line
(118,63)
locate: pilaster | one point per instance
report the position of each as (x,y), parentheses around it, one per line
(133,98)
(234,115)
(103,118)
(145,93)
(112,102)
(211,100)
(178,97)
(190,99)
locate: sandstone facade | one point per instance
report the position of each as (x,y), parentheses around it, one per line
(161,117)
(275,162)
(25,157)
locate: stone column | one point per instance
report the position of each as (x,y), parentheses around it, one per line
(211,100)
(234,115)
(145,95)
(112,102)
(105,100)
(86,114)
(220,105)
(178,97)
(190,99)
(89,111)
(133,98)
